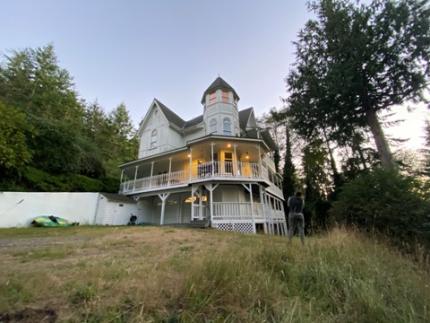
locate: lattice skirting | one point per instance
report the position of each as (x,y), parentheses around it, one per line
(277,227)
(243,227)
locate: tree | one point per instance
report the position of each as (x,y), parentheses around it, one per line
(426,170)
(289,176)
(14,152)
(356,60)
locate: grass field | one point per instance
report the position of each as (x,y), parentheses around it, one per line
(141,274)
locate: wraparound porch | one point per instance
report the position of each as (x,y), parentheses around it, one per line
(250,208)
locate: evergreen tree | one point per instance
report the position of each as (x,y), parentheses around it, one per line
(426,169)
(357,60)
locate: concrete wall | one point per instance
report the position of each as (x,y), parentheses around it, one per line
(17,209)
(116,213)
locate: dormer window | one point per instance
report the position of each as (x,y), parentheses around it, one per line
(153,139)
(212,126)
(212,98)
(226,126)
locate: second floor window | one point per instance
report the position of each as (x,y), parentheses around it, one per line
(227,126)
(153,139)
(212,98)
(212,126)
(225,96)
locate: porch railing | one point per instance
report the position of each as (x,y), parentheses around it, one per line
(157,181)
(215,169)
(227,169)
(237,211)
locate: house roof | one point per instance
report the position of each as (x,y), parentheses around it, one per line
(267,137)
(219,84)
(118,198)
(243,121)
(244,117)
(194,121)
(170,115)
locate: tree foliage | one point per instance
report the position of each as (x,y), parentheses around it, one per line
(387,202)
(356,60)
(14,151)
(56,133)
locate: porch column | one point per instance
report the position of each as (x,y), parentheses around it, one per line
(269,212)
(211,188)
(121,187)
(200,204)
(163,197)
(212,158)
(251,198)
(248,187)
(152,172)
(135,176)
(263,207)
(170,170)
(190,156)
(234,160)
(193,191)
(122,176)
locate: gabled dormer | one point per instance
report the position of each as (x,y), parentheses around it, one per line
(160,130)
(220,109)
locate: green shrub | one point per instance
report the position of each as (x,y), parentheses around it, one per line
(385,201)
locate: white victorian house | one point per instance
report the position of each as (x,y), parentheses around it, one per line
(216,169)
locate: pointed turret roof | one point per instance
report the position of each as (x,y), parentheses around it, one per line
(219,84)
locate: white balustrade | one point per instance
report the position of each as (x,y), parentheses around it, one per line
(215,169)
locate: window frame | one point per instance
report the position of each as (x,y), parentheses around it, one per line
(226,127)
(154,138)
(213,124)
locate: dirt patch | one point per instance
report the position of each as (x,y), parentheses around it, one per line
(30,315)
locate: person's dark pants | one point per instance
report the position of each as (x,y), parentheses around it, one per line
(296,220)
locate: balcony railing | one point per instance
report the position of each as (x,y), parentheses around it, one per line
(237,211)
(229,211)
(154,182)
(202,171)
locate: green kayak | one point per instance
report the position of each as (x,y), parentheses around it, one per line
(51,221)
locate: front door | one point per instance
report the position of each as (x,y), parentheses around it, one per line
(228,162)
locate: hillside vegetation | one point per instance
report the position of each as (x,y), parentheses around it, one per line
(124,274)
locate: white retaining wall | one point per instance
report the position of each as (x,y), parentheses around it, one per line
(17,209)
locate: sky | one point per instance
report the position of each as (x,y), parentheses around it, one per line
(132,51)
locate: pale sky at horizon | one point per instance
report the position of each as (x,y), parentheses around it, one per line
(133,51)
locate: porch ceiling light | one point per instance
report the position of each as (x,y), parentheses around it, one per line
(247,155)
(189,155)
(229,146)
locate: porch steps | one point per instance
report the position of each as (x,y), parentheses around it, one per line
(199,223)
(194,224)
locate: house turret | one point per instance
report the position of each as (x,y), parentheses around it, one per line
(220,114)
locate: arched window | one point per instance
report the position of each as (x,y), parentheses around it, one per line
(212,126)
(153,139)
(227,126)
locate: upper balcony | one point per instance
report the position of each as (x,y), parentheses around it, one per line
(216,160)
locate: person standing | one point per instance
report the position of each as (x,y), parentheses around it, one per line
(295,216)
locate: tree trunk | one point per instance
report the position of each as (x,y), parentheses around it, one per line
(356,147)
(336,177)
(380,140)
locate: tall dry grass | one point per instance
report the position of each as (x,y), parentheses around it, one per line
(183,275)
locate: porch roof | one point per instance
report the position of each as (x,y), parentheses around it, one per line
(199,140)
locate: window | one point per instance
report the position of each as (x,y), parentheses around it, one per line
(227,126)
(225,96)
(212,98)
(153,139)
(212,126)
